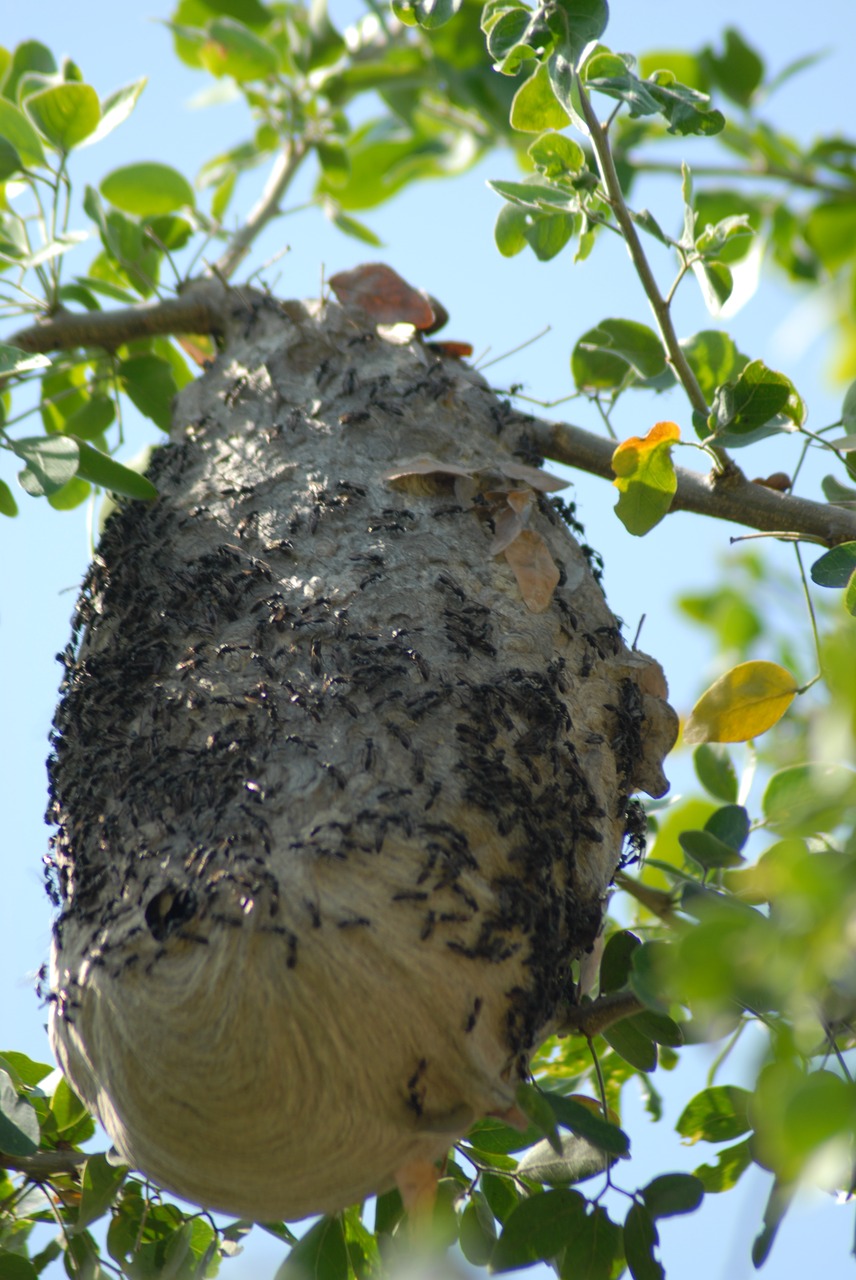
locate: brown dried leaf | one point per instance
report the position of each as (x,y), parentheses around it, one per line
(534,568)
(426,476)
(508,525)
(533,476)
(382,295)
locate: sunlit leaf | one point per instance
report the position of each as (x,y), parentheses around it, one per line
(725,1173)
(145,189)
(65,114)
(806,798)
(232,49)
(17,130)
(645,477)
(14,360)
(19,1125)
(51,460)
(744,703)
(717,1114)
(535,107)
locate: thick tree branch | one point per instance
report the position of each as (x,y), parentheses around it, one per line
(44,1164)
(200,308)
(205,305)
(726,496)
(591,1019)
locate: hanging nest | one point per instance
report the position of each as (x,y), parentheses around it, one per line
(340,772)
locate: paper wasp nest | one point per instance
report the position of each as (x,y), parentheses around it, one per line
(341,773)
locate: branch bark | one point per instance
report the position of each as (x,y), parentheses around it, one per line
(200,308)
(204,307)
(590,1020)
(727,496)
(44,1164)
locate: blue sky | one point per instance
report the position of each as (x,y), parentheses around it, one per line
(439,237)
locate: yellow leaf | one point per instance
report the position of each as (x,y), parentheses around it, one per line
(645,477)
(745,702)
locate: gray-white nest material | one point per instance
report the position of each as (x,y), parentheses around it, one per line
(336,807)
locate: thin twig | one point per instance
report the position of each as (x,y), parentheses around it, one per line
(659,305)
(286,165)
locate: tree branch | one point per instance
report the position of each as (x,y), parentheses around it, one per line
(659,305)
(726,496)
(590,1020)
(44,1164)
(279,179)
(200,308)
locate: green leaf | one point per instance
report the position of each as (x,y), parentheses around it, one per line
(92,419)
(429,14)
(673,1193)
(835,568)
(535,106)
(116,108)
(146,189)
(10,161)
(841,495)
(355,229)
(730,824)
(577,23)
(658,1027)
(708,851)
(755,398)
(14,1266)
(805,799)
(51,460)
(548,233)
(631,1044)
(617,960)
(830,230)
(715,771)
(232,49)
(850,596)
(738,70)
(586,1123)
(104,471)
(778,1203)
(614,353)
(477,1231)
(500,1193)
(168,231)
(100,1186)
(510,230)
(74,492)
(645,477)
(579,1159)
(596,1252)
(539,1228)
(14,360)
(17,130)
(556,155)
(534,1104)
(222,195)
(23,1070)
(69,1114)
(640,1241)
(333,159)
(730,1165)
(321,1254)
(19,1124)
(716,283)
(150,383)
(8,505)
(717,1114)
(65,114)
(29,56)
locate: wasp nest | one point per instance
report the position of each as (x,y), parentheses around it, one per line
(341,773)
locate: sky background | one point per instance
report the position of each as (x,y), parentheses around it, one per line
(439,237)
